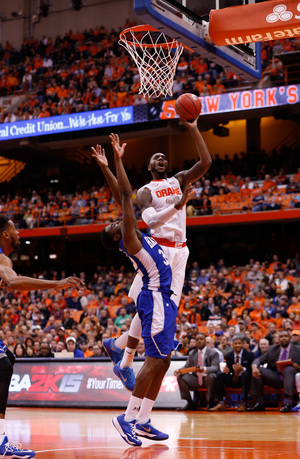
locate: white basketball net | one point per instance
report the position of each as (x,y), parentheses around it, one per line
(156,59)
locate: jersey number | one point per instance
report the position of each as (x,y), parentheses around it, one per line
(162,253)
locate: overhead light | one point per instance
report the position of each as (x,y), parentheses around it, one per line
(52,256)
(27,242)
(36,257)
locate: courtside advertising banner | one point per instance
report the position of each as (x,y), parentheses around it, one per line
(81,383)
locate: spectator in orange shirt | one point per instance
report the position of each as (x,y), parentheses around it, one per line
(201,67)
(297,175)
(198,86)
(268,183)
(295,306)
(255,332)
(218,87)
(207,89)
(62,92)
(44,112)
(264,319)
(182,66)
(86,351)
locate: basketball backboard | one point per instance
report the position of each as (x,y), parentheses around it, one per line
(187,22)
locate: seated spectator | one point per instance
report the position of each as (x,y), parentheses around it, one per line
(71,347)
(86,349)
(60,346)
(258,201)
(296,337)
(210,342)
(275,375)
(97,352)
(68,321)
(121,318)
(263,346)
(224,347)
(207,360)
(29,351)
(45,350)
(140,350)
(19,350)
(236,373)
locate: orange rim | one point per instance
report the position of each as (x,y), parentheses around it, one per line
(147,28)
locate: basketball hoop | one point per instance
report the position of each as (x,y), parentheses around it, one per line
(156,57)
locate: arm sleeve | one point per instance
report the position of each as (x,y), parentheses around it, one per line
(10,356)
(157,219)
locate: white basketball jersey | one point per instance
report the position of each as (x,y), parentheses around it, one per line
(165,193)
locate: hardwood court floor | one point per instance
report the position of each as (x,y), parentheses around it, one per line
(88,434)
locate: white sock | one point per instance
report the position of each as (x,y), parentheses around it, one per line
(135,331)
(127,358)
(121,341)
(136,327)
(146,408)
(132,408)
(2,430)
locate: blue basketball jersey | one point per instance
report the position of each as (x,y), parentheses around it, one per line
(151,264)
(3,349)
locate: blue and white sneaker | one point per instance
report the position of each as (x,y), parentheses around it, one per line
(148,431)
(126,375)
(14,450)
(126,430)
(114,352)
(296,408)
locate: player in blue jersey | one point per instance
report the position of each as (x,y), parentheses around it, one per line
(156,309)
(9,241)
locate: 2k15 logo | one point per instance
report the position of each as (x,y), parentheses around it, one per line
(42,383)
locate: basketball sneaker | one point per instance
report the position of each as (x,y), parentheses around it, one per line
(126,430)
(296,408)
(114,352)
(148,431)
(126,375)
(14,450)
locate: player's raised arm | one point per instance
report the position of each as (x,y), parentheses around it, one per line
(99,155)
(129,228)
(205,160)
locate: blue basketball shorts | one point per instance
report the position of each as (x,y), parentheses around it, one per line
(158,317)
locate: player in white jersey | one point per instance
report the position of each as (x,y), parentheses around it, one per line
(158,203)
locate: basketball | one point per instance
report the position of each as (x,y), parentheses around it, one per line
(188,106)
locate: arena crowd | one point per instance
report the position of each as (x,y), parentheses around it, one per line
(89,70)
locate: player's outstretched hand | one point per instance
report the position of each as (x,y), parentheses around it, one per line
(191,125)
(187,193)
(71,282)
(117,147)
(99,155)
